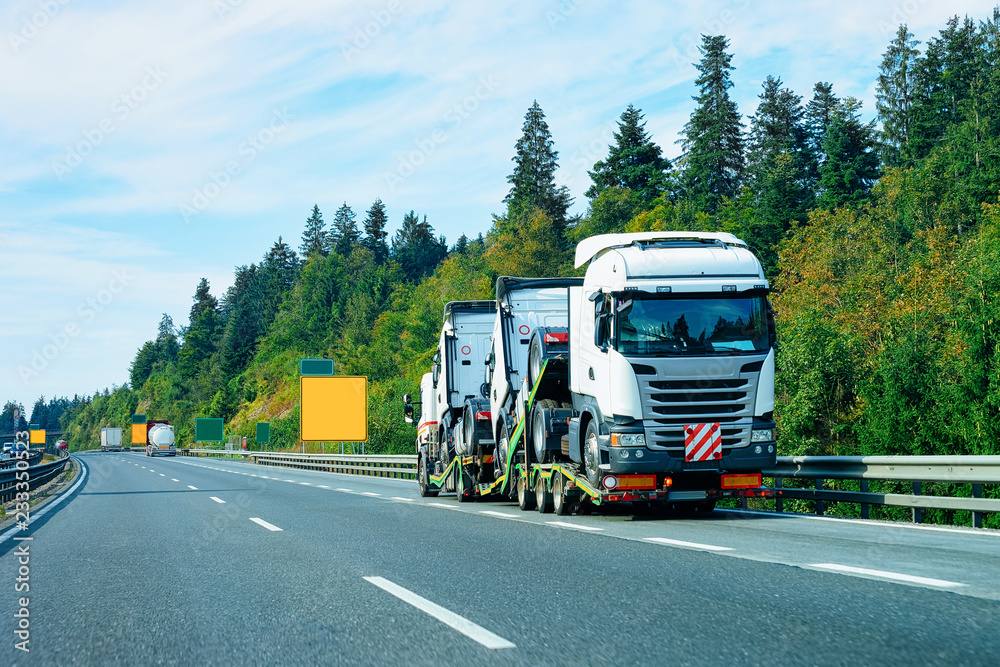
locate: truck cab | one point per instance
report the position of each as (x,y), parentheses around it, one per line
(672,356)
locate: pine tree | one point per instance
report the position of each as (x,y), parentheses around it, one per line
(535,163)
(166,340)
(777,127)
(895,95)
(818,113)
(344,233)
(314,238)
(852,164)
(281,267)
(201,335)
(375,234)
(416,249)
(713,138)
(634,162)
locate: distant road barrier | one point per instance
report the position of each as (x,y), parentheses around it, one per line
(400,466)
(972,470)
(38,475)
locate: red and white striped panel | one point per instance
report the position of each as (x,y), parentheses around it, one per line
(702,442)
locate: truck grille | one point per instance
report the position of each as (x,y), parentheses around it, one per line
(690,391)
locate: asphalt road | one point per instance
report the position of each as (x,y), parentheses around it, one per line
(181,561)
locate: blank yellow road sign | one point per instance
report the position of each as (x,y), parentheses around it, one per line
(333,408)
(36,436)
(139,434)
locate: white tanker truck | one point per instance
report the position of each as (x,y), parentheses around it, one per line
(160,438)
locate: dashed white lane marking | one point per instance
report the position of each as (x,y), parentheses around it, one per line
(193,488)
(891,576)
(270,526)
(564,524)
(218,500)
(476,633)
(686,545)
(447,507)
(174,480)
(162,475)
(502,515)
(405,500)
(321,486)
(373,495)
(305,483)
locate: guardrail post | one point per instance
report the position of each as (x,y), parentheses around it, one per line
(864,506)
(918,514)
(977,517)
(819,503)
(779,501)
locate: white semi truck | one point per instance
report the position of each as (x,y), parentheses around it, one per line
(111,439)
(453,438)
(661,389)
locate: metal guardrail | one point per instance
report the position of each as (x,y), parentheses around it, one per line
(400,466)
(973,470)
(38,475)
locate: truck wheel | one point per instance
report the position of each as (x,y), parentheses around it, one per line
(542,455)
(503,445)
(534,361)
(469,430)
(423,482)
(543,497)
(460,488)
(559,503)
(525,499)
(592,455)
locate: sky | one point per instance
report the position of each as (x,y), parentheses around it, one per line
(144,146)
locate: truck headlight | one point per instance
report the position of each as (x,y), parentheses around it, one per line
(628,440)
(762,435)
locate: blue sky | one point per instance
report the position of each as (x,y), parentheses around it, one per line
(146,145)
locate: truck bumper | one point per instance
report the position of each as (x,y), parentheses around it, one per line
(623,460)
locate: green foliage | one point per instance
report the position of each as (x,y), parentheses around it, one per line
(634,163)
(535,163)
(314,237)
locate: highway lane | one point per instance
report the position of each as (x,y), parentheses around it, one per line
(139,568)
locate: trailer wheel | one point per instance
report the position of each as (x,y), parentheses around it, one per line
(500,459)
(525,499)
(423,482)
(543,497)
(560,505)
(592,455)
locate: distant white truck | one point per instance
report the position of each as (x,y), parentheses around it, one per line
(160,438)
(111,439)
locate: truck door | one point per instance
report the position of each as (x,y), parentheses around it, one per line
(592,374)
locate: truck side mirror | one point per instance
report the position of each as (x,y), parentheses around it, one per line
(407,408)
(601,331)
(435,374)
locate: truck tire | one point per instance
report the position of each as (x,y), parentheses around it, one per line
(560,505)
(592,455)
(461,490)
(503,445)
(542,455)
(534,361)
(525,498)
(543,497)
(423,481)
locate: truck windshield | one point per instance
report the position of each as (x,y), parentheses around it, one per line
(650,325)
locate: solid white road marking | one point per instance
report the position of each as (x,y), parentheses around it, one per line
(476,633)
(689,545)
(563,524)
(218,500)
(193,488)
(270,526)
(892,576)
